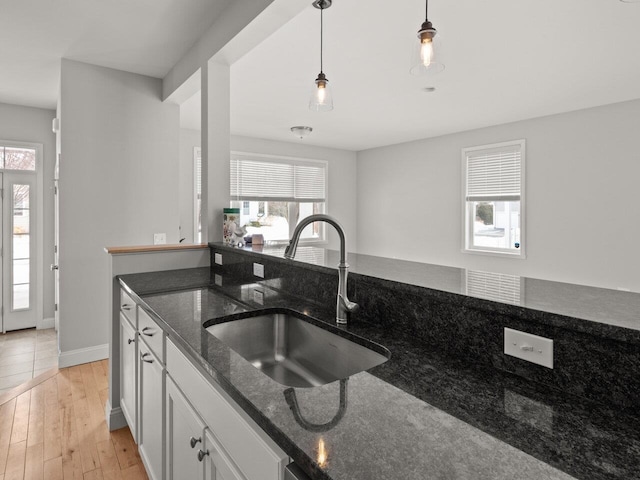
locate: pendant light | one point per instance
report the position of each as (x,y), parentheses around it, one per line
(321,98)
(425,58)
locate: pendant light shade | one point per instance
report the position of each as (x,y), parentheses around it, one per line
(427,50)
(321,98)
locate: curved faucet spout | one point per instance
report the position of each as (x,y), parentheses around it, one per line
(343,305)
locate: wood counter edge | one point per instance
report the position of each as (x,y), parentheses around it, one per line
(153,248)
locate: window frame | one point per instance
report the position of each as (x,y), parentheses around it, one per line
(468,216)
(323,237)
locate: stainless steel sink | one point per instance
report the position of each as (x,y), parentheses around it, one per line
(295,352)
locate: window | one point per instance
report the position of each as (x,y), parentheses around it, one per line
(275,193)
(494,198)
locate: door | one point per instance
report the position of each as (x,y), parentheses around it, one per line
(217,465)
(150,412)
(128,365)
(54,266)
(18,250)
(184,437)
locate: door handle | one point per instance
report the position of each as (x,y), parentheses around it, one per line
(53,267)
(144,359)
(202,454)
(193,441)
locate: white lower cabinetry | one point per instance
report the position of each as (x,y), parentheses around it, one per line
(151,411)
(192,450)
(233,446)
(128,377)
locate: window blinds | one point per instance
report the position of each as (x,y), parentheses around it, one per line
(494,173)
(277,179)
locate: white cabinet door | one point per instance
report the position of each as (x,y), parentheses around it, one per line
(184,437)
(151,412)
(128,365)
(217,464)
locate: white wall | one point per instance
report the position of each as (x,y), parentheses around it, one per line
(188,140)
(342,178)
(582,176)
(120,150)
(28,124)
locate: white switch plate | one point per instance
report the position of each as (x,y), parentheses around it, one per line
(258,297)
(258,270)
(159,238)
(217,258)
(526,346)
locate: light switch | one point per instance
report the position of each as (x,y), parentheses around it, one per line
(258,270)
(159,238)
(526,346)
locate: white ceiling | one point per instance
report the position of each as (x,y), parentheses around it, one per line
(505,61)
(140,36)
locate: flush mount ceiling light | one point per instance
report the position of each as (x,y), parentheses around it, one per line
(425,57)
(301,131)
(321,98)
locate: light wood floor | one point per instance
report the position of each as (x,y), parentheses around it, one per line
(53,428)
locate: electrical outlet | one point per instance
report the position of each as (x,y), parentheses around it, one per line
(159,238)
(258,270)
(526,346)
(258,297)
(218,280)
(217,258)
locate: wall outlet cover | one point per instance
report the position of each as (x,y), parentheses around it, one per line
(159,238)
(258,270)
(526,346)
(217,258)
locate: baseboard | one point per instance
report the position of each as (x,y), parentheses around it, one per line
(115,417)
(83,355)
(46,323)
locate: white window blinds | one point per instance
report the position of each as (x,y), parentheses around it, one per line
(277,179)
(494,173)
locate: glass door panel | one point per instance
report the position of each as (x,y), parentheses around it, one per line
(18,259)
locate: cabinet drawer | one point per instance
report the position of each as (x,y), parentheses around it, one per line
(128,307)
(151,333)
(248,446)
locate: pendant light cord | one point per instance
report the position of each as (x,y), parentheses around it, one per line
(321,29)
(426,10)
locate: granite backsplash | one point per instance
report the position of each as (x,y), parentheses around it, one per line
(597,362)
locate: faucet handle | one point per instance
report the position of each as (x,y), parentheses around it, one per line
(348,305)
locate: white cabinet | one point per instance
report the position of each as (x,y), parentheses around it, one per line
(184,437)
(150,411)
(128,373)
(217,465)
(234,447)
(192,450)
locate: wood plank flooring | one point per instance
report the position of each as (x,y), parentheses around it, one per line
(54,428)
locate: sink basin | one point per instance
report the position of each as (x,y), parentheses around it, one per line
(294,350)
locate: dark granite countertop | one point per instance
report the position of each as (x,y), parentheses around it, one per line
(608,313)
(417,416)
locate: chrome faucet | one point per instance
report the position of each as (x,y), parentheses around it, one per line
(343,305)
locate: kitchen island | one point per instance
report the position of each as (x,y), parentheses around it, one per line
(419,415)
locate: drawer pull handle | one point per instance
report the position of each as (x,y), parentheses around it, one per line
(126,306)
(130,341)
(194,441)
(145,331)
(143,357)
(202,454)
